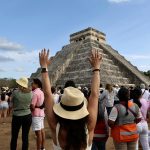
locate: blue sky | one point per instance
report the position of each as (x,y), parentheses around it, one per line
(26,26)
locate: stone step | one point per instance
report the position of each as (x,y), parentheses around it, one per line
(109,66)
(85,60)
(59,57)
(83,50)
(88,72)
(85,65)
(81,58)
(114,79)
(87,54)
(111,72)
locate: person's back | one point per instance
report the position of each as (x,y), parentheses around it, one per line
(142,126)
(122,117)
(4,97)
(37,108)
(144,108)
(122,120)
(101,132)
(37,101)
(145,94)
(71,129)
(21,117)
(3,106)
(21,103)
(108,96)
(72,108)
(61,135)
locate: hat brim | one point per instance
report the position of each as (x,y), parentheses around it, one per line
(72,115)
(21,84)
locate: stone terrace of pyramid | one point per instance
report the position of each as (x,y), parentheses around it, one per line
(71,63)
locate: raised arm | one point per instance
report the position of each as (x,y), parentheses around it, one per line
(44,62)
(95,60)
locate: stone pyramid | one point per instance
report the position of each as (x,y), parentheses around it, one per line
(71,63)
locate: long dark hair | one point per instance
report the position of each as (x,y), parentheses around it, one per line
(136,94)
(76,138)
(124,95)
(3,95)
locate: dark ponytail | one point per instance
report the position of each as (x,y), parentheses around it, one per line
(136,94)
(3,95)
(123,95)
(126,105)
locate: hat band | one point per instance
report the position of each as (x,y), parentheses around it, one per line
(72,108)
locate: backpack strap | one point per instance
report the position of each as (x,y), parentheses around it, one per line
(137,120)
(135,115)
(143,92)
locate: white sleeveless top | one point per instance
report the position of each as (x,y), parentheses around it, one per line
(57,147)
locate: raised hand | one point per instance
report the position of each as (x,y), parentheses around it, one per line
(95,59)
(44,58)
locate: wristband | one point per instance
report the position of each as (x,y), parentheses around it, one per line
(96,70)
(44,70)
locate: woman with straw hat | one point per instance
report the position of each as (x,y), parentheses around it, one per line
(72,120)
(21,100)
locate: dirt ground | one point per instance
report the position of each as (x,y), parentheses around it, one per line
(5,135)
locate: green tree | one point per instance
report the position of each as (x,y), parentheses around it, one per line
(8,82)
(147,73)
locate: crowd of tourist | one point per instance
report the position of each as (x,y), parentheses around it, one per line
(80,118)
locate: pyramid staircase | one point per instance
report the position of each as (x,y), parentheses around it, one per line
(80,71)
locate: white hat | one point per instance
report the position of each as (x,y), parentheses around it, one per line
(142,86)
(23,82)
(73,105)
(79,87)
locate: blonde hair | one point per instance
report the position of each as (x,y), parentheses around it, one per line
(24,90)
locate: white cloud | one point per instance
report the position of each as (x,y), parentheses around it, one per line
(19,69)
(5,59)
(18,60)
(26,56)
(118,1)
(6,45)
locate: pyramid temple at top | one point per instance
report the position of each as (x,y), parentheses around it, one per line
(71,63)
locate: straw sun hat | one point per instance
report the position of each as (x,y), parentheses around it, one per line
(73,105)
(23,82)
